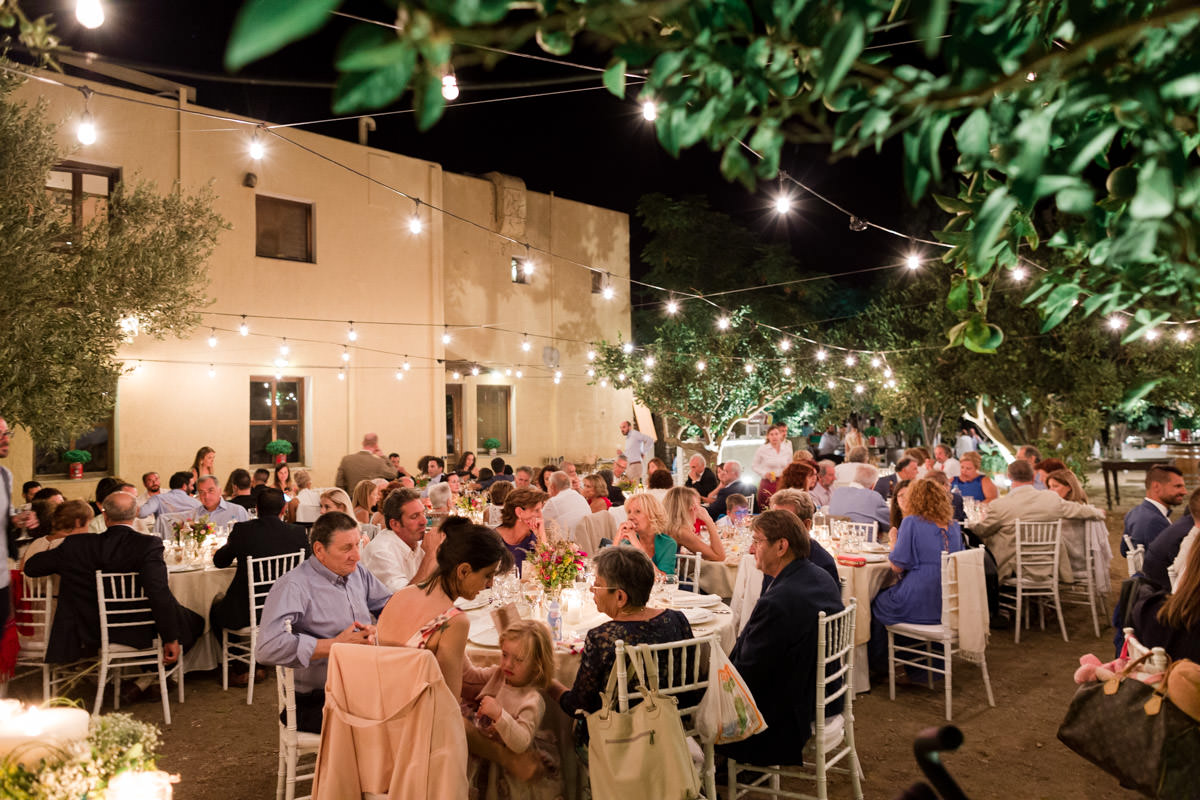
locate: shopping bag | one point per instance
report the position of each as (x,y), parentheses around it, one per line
(1133,732)
(641,752)
(727,713)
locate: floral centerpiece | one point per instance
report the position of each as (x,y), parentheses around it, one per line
(116,744)
(280,448)
(197,530)
(469,502)
(555,564)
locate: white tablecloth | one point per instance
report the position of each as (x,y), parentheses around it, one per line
(196,590)
(863,583)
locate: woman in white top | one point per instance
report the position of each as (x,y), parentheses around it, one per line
(853,437)
(770,460)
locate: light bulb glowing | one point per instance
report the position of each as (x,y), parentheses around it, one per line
(86,132)
(723,323)
(591,355)
(446,337)
(474,370)
(244,329)
(749,368)
(557,381)
(608,293)
(787,372)
(455,376)
(1018,274)
(284,349)
(913,261)
(352,334)
(603,383)
(525,345)
(508,372)
(647,377)
(212,338)
(89,13)
(887,373)
(591,373)
(414,224)
(406,366)
(1115,323)
(341,374)
(1182,335)
(257,151)
(649,361)
(649,111)
(557,373)
(345,354)
(701,366)
(620,376)
(527,267)
(858,388)
(830,384)
(672,307)
(1151,334)
(281,362)
(399,375)
(850,361)
(627,348)
(138,366)
(783,204)
(520,374)
(449,87)
(875,362)
(822,355)
(785,345)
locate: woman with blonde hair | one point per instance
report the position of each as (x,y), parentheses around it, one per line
(336,500)
(971,482)
(645,527)
(683,509)
(366,496)
(595,491)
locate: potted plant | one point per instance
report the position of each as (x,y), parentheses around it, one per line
(280,448)
(76,459)
(871,432)
(492,444)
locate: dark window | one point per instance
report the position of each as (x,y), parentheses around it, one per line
(82,191)
(518,271)
(283,229)
(276,412)
(492,408)
(97,441)
(597,282)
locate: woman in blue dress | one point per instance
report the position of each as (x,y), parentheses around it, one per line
(971,482)
(928,531)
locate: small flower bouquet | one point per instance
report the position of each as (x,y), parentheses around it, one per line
(468,503)
(197,530)
(555,564)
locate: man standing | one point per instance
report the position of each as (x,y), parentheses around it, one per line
(565,507)
(367,464)
(328,598)
(76,630)
(153,486)
(998,530)
(965,444)
(219,511)
(944,461)
(906,470)
(266,536)
(638,449)
(699,476)
(826,475)
(174,501)
(782,629)
(404,551)
(24,519)
(1144,522)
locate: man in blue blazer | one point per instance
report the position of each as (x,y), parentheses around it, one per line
(1144,522)
(782,630)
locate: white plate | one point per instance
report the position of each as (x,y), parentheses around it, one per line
(481,600)
(689,600)
(488,637)
(185,568)
(875,547)
(698,616)
(875,558)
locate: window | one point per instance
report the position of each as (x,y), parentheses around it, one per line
(97,441)
(492,407)
(597,282)
(519,275)
(276,412)
(283,229)
(81,191)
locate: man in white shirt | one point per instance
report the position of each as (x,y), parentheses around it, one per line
(219,511)
(829,443)
(403,552)
(566,506)
(638,449)
(944,461)
(153,486)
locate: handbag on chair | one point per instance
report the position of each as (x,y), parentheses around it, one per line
(640,752)
(1134,732)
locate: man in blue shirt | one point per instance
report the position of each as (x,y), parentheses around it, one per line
(219,511)
(328,598)
(1164,489)
(175,501)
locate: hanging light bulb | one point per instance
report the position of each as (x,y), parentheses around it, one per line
(649,362)
(591,373)
(406,366)
(701,366)
(345,353)
(875,362)
(281,362)
(1115,322)
(244,329)
(278,376)
(887,373)
(850,360)
(608,293)
(749,368)
(520,374)
(647,377)
(831,384)
(672,307)
(257,151)
(603,383)
(352,334)
(341,373)
(723,323)
(557,373)
(620,376)
(454,375)
(783,203)
(787,372)
(627,348)
(912,261)
(86,132)
(1182,335)
(415,225)
(527,264)
(508,372)
(138,366)
(1151,334)
(450,87)
(1018,273)
(649,111)
(283,347)
(822,355)
(475,369)
(445,336)
(785,344)
(525,345)
(591,355)
(399,374)
(89,13)
(212,337)
(557,380)
(212,371)
(858,388)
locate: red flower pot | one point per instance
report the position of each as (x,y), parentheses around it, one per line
(75,471)
(280,458)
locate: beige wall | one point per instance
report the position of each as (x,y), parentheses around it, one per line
(369,268)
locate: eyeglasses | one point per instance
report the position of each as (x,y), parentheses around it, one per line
(759,540)
(604,588)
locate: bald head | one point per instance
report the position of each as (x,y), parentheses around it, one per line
(119,508)
(370,441)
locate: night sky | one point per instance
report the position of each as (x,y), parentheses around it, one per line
(587,146)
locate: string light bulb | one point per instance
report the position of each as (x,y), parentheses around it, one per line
(527,264)
(787,372)
(525,345)
(627,348)
(1182,335)
(608,293)
(345,353)
(446,336)
(1115,322)
(749,368)
(415,225)
(244,329)
(86,132)
(649,362)
(212,337)
(649,111)
(913,261)
(782,203)
(620,376)
(785,345)
(508,372)
(557,374)
(257,151)
(1018,273)
(672,307)
(399,374)
(591,355)
(887,373)
(341,373)
(283,347)
(858,388)
(212,371)
(520,374)
(831,384)
(603,382)
(406,366)
(701,366)
(455,375)
(474,370)
(90,13)
(591,373)
(723,323)
(1152,334)
(352,334)
(450,87)
(647,377)
(850,360)
(822,355)
(875,362)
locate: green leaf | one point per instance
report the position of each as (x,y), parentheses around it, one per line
(1146,320)
(931,17)
(981,336)
(556,43)
(735,165)
(989,224)
(369,47)
(264,26)
(428,100)
(1183,87)
(767,142)
(614,77)
(951,205)
(1075,200)
(1155,196)
(959,295)
(1058,304)
(358,90)
(972,136)
(1139,392)
(1094,142)
(840,48)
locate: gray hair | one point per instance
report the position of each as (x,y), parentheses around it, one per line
(796,501)
(703,460)
(439,495)
(865,474)
(561,481)
(627,569)
(302,479)
(733,468)
(857,454)
(825,465)
(120,507)
(204,478)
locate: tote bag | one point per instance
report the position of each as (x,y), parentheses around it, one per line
(728,712)
(642,752)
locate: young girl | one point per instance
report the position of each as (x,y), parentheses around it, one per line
(511,709)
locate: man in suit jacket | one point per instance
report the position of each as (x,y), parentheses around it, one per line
(1164,550)
(1144,522)
(75,633)
(906,470)
(699,476)
(782,629)
(734,485)
(366,464)
(998,530)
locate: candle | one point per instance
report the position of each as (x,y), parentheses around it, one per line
(572,606)
(140,786)
(31,734)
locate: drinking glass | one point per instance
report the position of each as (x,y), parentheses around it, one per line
(670,585)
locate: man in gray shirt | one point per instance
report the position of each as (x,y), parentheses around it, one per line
(638,449)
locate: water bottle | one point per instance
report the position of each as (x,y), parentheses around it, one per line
(554,620)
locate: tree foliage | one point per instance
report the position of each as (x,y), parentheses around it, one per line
(1083,115)
(65,290)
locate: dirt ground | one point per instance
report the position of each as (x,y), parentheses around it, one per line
(226,750)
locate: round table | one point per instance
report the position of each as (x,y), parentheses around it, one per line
(196,589)
(863,583)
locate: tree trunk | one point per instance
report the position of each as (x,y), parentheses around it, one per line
(984,418)
(929,429)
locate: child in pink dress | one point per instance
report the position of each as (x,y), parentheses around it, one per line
(511,708)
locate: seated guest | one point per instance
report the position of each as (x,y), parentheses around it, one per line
(68,519)
(261,477)
(906,470)
(645,528)
(75,633)
(733,484)
(466,467)
(238,489)
(498,492)
(944,461)
(1044,467)
(1171,620)
(440,498)
(572,471)
(654,465)
(366,497)
(859,501)
(174,501)
(1164,490)
(998,529)
(737,509)
(218,510)
(266,536)
(306,505)
(595,491)
(97,525)
(283,480)
(898,507)
(942,480)
(971,482)
(151,481)
(485,480)
(336,500)
(801,504)
(822,491)
(543,474)
(521,522)
(699,476)
(782,629)
(498,474)
(29,489)
(660,480)
(798,475)
(845,472)
(1064,484)
(403,552)
(927,531)
(615,494)
(683,510)
(1167,549)
(624,578)
(328,598)
(565,507)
